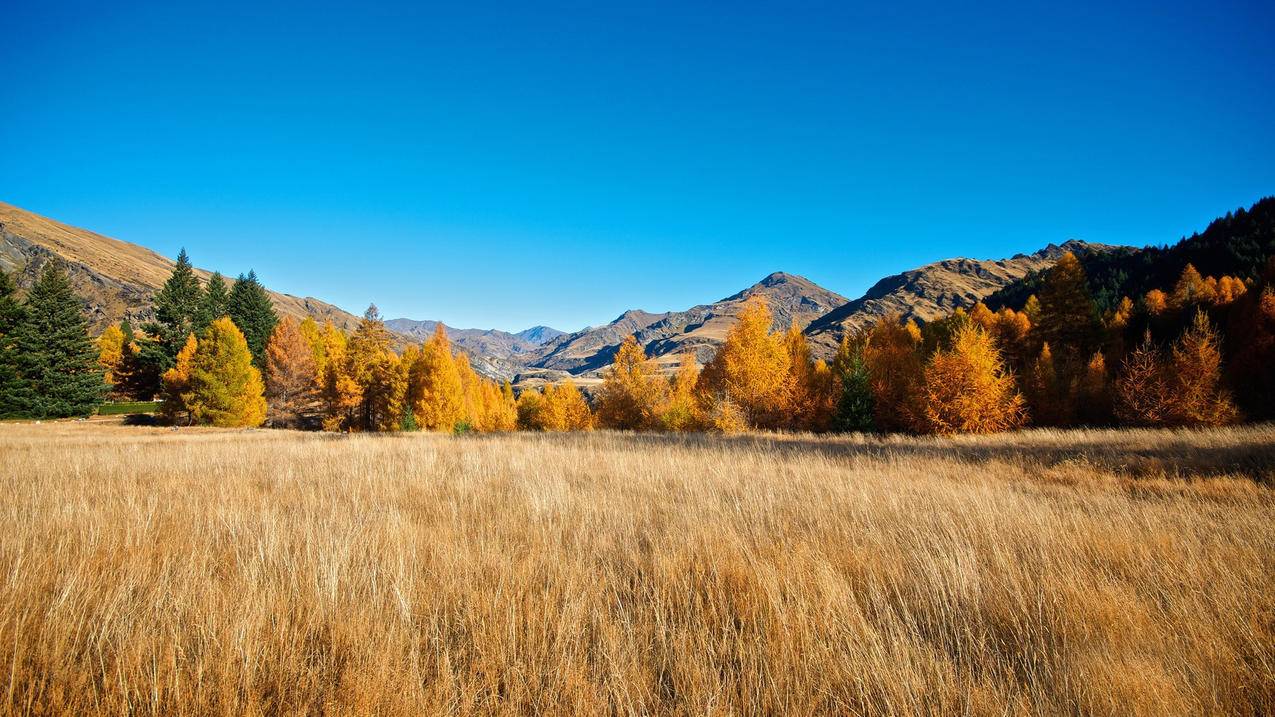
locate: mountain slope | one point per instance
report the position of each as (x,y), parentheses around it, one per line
(934,290)
(700,329)
(116,279)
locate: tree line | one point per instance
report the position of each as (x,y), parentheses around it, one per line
(1199,352)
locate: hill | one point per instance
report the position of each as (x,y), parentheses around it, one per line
(935,290)
(1238,244)
(116,279)
(793,300)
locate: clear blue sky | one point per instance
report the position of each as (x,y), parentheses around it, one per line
(507,165)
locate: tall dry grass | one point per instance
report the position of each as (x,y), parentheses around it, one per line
(201,572)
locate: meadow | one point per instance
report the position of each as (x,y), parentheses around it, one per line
(205,571)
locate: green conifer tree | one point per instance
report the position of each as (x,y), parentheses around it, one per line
(56,360)
(250,308)
(12,387)
(215,302)
(177,312)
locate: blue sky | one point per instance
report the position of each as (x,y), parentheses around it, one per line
(508,165)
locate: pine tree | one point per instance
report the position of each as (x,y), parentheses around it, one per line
(226,389)
(55,358)
(1068,318)
(967,389)
(631,393)
(854,412)
(291,380)
(434,389)
(12,387)
(249,306)
(175,386)
(215,302)
(177,312)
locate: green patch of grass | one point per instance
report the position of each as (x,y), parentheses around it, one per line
(125,407)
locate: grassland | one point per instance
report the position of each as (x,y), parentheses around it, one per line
(209,572)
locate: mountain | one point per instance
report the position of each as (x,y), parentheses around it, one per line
(700,329)
(492,343)
(539,335)
(935,290)
(1238,244)
(116,279)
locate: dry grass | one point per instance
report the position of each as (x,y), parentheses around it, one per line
(205,572)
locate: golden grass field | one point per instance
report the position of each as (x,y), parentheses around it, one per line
(151,571)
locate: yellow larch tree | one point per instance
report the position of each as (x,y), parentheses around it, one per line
(563,408)
(291,379)
(751,367)
(967,389)
(631,392)
(383,392)
(530,408)
(313,334)
(435,392)
(893,359)
(682,410)
(339,392)
(110,355)
(226,389)
(1198,397)
(175,386)
(1142,394)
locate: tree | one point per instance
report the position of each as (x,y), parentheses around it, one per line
(1251,339)
(505,417)
(564,409)
(110,355)
(339,392)
(751,367)
(809,396)
(313,335)
(215,302)
(175,386)
(1068,318)
(1142,394)
(531,410)
(1155,302)
(1195,378)
(384,392)
(226,389)
(1095,391)
(363,355)
(681,411)
(893,360)
(967,389)
(12,388)
(249,306)
(1191,290)
(56,360)
(435,391)
(1049,394)
(631,393)
(291,379)
(854,412)
(177,311)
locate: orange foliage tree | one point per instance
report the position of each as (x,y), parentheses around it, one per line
(751,368)
(435,392)
(175,386)
(1197,395)
(893,359)
(631,392)
(966,389)
(291,379)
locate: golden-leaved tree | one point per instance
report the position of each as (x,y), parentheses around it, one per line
(631,392)
(1142,394)
(750,370)
(1198,397)
(563,408)
(339,392)
(291,377)
(175,386)
(383,392)
(682,411)
(110,355)
(530,408)
(435,392)
(810,390)
(966,389)
(225,388)
(893,359)
(364,354)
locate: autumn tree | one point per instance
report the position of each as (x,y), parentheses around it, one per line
(1050,394)
(364,354)
(55,359)
(1155,302)
(384,391)
(893,359)
(1198,397)
(1191,290)
(966,389)
(504,414)
(1142,395)
(751,368)
(1068,319)
(226,389)
(809,391)
(681,410)
(435,391)
(249,306)
(339,393)
(110,356)
(631,393)
(564,408)
(1095,391)
(531,414)
(313,334)
(291,378)
(175,386)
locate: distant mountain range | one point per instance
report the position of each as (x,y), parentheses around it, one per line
(117,280)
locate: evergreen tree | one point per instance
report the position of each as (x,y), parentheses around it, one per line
(55,357)
(177,312)
(215,302)
(12,388)
(854,405)
(1068,318)
(250,308)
